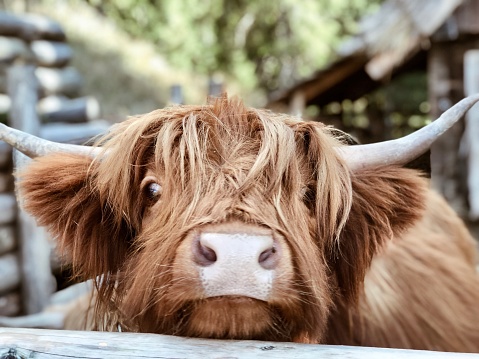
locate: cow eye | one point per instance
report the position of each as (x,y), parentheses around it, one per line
(151,188)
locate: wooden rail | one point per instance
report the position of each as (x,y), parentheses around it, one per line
(56,344)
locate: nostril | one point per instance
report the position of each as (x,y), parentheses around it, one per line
(268,258)
(208,253)
(204,255)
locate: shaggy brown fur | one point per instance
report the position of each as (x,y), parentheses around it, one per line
(224,163)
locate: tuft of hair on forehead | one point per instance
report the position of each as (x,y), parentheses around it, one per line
(189,145)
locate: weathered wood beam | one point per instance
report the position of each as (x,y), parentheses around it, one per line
(471,132)
(65,81)
(10,270)
(77,133)
(30,27)
(5,155)
(37,280)
(54,344)
(7,239)
(62,109)
(51,53)
(10,304)
(5,104)
(6,182)
(3,77)
(46,320)
(12,48)
(8,208)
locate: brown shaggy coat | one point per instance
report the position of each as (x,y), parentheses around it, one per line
(378,259)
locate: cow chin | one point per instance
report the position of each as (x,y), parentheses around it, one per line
(233,317)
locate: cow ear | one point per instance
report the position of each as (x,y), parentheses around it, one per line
(59,191)
(385,202)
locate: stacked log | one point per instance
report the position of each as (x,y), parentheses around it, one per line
(40,92)
(9,258)
(40,41)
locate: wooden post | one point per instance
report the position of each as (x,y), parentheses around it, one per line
(54,344)
(176,94)
(37,280)
(215,87)
(445,88)
(471,133)
(297,104)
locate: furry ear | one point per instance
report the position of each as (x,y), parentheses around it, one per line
(386,201)
(59,191)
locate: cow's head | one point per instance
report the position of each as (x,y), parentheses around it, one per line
(220,221)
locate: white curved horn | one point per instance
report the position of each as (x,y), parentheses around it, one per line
(408,148)
(33,146)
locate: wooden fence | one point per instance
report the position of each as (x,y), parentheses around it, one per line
(53,344)
(40,94)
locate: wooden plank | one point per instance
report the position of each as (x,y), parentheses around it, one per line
(7,239)
(5,156)
(78,133)
(43,28)
(8,208)
(471,132)
(3,78)
(54,315)
(12,48)
(72,293)
(6,182)
(10,304)
(53,344)
(10,24)
(5,104)
(30,27)
(37,280)
(66,81)
(62,109)
(44,320)
(9,272)
(466,18)
(51,53)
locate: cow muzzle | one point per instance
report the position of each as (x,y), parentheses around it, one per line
(240,263)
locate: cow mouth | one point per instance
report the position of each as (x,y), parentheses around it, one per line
(239,299)
(230,317)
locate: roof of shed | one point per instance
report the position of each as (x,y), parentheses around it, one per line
(392,40)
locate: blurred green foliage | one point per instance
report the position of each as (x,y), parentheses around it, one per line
(261,43)
(394,110)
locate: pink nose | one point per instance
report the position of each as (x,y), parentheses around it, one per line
(239,246)
(240,264)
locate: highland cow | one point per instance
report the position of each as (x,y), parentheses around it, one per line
(221,221)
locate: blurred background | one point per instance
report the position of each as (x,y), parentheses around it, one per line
(131,52)
(378,69)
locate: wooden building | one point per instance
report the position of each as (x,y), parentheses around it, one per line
(436,37)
